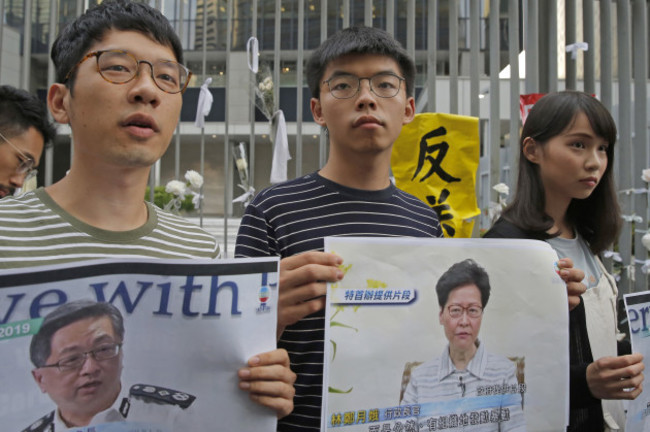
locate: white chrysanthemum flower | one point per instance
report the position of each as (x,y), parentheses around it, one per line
(195,179)
(176,187)
(646,240)
(645,175)
(501,188)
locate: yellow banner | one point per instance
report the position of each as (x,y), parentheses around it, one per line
(436,158)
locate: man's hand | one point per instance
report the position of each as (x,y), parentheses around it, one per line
(303,280)
(269,381)
(616,377)
(573,278)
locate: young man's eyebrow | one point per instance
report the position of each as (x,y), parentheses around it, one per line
(338,73)
(30,156)
(159,59)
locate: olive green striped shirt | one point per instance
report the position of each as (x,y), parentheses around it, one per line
(34,230)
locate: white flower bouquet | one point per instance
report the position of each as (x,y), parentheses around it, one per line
(264,89)
(495,208)
(182,191)
(264,97)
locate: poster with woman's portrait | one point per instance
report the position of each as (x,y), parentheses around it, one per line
(446,334)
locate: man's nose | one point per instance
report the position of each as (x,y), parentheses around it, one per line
(17,179)
(90,365)
(144,87)
(365,96)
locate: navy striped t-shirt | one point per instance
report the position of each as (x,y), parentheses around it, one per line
(294,217)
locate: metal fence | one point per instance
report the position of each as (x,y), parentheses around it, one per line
(614,67)
(461,48)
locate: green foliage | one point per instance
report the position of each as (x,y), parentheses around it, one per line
(161,198)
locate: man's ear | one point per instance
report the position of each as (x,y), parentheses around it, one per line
(38,377)
(409,111)
(57,101)
(531,150)
(317,112)
(440,315)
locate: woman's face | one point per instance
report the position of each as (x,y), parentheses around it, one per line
(572,163)
(462,331)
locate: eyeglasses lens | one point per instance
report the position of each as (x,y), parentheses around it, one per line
(120,67)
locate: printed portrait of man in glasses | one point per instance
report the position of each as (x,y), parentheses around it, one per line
(78,361)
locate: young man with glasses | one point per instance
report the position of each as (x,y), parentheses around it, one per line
(119,84)
(24,131)
(78,361)
(362,84)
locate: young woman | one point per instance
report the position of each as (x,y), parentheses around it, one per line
(566,196)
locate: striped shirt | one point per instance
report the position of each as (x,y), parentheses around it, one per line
(488,384)
(35,230)
(294,217)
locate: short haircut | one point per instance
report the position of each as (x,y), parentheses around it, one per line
(597,217)
(463,273)
(358,40)
(41,345)
(21,110)
(91,27)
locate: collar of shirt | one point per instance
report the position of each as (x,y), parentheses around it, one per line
(475,367)
(112,414)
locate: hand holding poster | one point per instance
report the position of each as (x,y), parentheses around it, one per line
(414,344)
(637,307)
(151,345)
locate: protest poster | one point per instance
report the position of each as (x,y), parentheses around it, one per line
(385,323)
(189,326)
(436,158)
(637,307)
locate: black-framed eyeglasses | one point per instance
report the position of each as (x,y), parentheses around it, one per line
(120,67)
(456,311)
(75,361)
(345,86)
(26,164)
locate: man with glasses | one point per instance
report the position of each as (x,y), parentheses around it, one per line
(77,357)
(484,386)
(362,85)
(119,85)
(24,131)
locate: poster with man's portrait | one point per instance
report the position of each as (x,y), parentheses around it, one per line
(637,309)
(146,345)
(446,334)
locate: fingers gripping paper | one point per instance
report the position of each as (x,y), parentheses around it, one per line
(436,158)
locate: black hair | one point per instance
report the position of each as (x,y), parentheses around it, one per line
(124,15)
(358,40)
(597,217)
(21,110)
(40,348)
(463,273)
